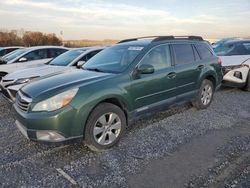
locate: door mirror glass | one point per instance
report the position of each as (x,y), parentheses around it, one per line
(22,59)
(146,69)
(80,64)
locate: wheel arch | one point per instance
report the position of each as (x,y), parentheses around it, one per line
(211,76)
(115,100)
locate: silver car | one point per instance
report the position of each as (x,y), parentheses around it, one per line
(28,57)
(68,61)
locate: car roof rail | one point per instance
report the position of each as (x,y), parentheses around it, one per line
(162,38)
(135,39)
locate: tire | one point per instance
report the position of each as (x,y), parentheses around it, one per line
(204,96)
(105,126)
(247,87)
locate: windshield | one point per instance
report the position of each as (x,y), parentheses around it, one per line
(224,50)
(114,59)
(15,54)
(66,58)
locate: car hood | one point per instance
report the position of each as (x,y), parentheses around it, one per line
(37,72)
(9,68)
(233,60)
(52,85)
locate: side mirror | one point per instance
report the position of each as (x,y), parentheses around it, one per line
(22,59)
(80,64)
(146,69)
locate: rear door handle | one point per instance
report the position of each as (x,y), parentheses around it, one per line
(200,67)
(171,75)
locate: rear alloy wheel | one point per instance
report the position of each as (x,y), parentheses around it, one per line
(105,126)
(205,95)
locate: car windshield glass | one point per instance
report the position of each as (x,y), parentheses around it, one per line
(114,59)
(15,54)
(66,58)
(224,50)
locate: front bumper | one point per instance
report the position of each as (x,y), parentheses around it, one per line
(236,77)
(40,135)
(9,91)
(233,84)
(56,126)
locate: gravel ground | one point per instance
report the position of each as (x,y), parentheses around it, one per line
(179,135)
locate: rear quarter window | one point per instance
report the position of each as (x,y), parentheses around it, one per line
(54,52)
(204,51)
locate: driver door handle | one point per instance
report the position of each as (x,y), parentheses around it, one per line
(171,75)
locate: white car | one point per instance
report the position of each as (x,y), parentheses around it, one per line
(235,57)
(68,61)
(28,57)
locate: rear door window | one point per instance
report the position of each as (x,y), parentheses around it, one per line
(183,54)
(204,51)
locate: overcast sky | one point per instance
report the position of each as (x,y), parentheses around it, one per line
(116,19)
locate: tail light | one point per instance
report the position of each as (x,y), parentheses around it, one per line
(219,62)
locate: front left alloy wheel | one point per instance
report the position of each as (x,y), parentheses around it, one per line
(104,127)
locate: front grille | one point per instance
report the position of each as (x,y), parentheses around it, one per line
(8,80)
(23,102)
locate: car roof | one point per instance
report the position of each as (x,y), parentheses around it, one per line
(9,47)
(237,41)
(44,47)
(89,49)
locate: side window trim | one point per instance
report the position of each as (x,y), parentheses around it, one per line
(195,49)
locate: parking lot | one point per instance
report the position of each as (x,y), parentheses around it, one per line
(179,147)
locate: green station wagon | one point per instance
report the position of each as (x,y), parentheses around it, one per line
(120,84)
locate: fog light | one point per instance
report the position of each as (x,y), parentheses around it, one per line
(238,74)
(49,136)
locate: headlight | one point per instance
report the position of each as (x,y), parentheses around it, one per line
(24,80)
(56,102)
